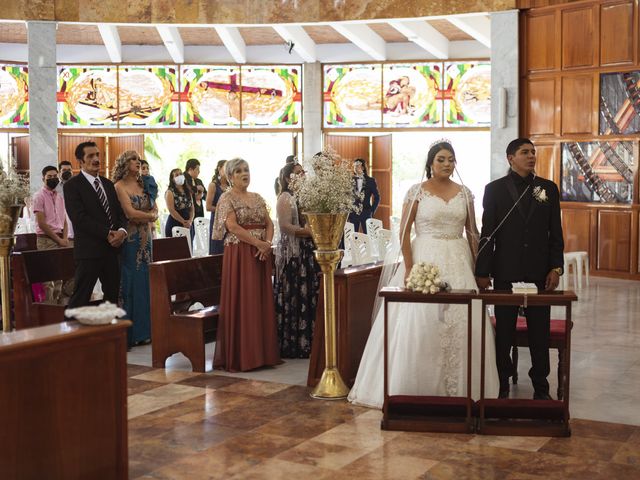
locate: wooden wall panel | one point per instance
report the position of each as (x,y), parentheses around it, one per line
(545,164)
(616,34)
(67,147)
(614,240)
(121,144)
(541,106)
(541,41)
(576,226)
(577,100)
(349,147)
(382,171)
(579,41)
(21,153)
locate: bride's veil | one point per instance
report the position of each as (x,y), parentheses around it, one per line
(393,260)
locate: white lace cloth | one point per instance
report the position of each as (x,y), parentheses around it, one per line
(427,343)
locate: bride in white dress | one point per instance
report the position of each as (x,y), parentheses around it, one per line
(428,342)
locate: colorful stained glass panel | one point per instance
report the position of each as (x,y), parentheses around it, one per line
(411,95)
(148,96)
(87,96)
(271,96)
(467,93)
(352,96)
(210,96)
(14,96)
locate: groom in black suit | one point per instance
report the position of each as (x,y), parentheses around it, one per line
(524,245)
(99,226)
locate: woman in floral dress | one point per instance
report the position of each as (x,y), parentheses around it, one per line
(246,337)
(296,280)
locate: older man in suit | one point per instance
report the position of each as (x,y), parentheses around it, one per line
(100,228)
(521,241)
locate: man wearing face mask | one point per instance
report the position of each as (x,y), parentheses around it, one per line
(65,173)
(51,223)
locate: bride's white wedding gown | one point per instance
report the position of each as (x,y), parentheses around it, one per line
(428,343)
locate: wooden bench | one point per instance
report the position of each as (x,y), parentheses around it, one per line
(175,285)
(170,248)
(25,241)
(38,266)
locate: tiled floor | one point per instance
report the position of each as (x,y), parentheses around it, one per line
(209,426)
(264,425)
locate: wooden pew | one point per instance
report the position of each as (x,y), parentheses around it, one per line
(25,241)
(170,248)
(63,402)
(37,266)
(175,285)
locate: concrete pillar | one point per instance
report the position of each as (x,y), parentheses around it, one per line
(312,109)
(43,125)
(504,88)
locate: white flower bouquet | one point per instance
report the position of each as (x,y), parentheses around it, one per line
(14,187)
(328,187)
(425,277)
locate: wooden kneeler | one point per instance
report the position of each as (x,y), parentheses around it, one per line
(524,416)
(419,413)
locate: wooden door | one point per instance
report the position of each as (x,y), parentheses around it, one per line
(349,147)
(381,170)
(121,144)
(67,149)
(20,153)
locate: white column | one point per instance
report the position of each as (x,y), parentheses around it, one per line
(312,109)
(43,130)
(504,88)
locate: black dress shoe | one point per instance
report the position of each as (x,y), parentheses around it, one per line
(541,396)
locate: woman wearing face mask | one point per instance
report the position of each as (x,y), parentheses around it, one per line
(179,201)
(247,337)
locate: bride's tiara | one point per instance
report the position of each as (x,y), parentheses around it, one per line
(440,140)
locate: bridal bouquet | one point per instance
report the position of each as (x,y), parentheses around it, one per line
(425,277)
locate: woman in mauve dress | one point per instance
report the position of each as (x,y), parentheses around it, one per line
(247,334)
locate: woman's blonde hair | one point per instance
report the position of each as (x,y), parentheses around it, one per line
(122,165)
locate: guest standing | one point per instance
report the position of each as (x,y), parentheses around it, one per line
(247,336)
(99,223)
(136,251)
(296,279)
(216,188)
(179,203)
(198,203)
(51,224)
(366,196)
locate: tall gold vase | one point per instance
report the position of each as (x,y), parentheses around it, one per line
(326,229)
(8,220)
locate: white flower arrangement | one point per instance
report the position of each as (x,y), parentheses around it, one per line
(425,277)
(540,194)
(14,188)
(328,186)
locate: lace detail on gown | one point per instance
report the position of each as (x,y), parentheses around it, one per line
(427,343)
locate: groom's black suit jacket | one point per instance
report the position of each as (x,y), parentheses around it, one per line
(529,243)
(90,222)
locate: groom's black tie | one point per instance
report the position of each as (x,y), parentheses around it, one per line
(521,185)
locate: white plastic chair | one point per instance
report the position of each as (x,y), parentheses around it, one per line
(163,222)
(361,249)
(21,226)
(201,244)
(385,243)
(576,260)
(183,232)
(373,226)
(347,259)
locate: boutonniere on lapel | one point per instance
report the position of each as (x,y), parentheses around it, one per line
(540,194)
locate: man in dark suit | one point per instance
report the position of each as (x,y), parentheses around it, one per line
(521,241)
(99,226)
(365,189)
